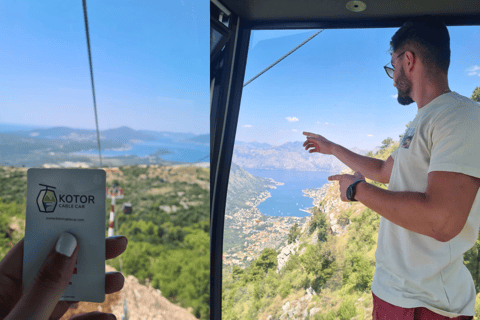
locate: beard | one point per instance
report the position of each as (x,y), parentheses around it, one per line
(404,87)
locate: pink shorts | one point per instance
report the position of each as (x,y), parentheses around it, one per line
(383,310)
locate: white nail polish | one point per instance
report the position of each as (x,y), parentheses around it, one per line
(66,244)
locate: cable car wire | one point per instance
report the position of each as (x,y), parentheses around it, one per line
(91,76)
(289,53)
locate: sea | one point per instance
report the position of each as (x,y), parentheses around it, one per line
(182,152)
(179,152)
(289,200)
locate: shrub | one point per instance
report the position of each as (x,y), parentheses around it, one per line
(347,310)
(330,316)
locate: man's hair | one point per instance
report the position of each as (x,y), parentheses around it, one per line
(426,36)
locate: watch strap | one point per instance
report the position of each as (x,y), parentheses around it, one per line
(352,189)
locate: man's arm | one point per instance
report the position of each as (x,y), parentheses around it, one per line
(374,169)
(441,212)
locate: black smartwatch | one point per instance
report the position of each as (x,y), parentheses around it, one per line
(351,190)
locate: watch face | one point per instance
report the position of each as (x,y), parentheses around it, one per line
(349,193)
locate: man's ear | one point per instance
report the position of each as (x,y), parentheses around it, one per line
(410,61)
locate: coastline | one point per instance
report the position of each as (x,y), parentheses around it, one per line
(317,195)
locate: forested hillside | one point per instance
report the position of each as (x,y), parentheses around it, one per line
(168,230)
(330,266)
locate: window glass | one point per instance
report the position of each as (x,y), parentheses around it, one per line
(150,67)
(292,248)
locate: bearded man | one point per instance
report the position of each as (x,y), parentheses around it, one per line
(431,210)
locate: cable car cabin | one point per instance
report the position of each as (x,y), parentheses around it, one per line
(127,208)
(232,23)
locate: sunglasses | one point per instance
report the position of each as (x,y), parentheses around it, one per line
(389,70)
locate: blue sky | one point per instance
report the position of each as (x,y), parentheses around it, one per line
(150,62)
(335,85)
(151,68)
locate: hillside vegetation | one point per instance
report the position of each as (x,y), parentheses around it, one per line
(168,230)
(329,271)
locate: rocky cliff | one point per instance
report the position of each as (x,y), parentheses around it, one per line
(143,303)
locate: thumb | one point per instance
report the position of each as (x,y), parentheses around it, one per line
(51,281)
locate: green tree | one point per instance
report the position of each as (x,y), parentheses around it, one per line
(357,271)
(267,260)
(319,222)
(476,94)
(346,310)
(386,143)
(293,234)
(183,274)
(320,263)
(408,126)
(471,259)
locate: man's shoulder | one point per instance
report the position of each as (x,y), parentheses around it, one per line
(457,108)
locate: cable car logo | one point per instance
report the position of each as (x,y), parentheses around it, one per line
(46,200)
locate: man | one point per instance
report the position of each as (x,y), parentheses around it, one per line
(431,210)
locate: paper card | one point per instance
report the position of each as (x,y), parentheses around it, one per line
(71,200)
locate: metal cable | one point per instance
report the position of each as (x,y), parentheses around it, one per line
(91,76)
(289,53)
(208,155)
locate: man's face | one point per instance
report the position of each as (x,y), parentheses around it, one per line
(403,85)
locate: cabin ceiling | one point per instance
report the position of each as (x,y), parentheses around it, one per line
(280,14)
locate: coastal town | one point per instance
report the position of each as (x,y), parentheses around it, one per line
(255,231)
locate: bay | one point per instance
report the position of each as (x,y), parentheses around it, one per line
(289,200)
(182,152)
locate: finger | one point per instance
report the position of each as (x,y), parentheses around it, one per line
(309,134)
(115,246)
(336,177)
(11,277)
(94,316)
(12,263)
(61,308)
(54,276)
(359,175)
(114,282)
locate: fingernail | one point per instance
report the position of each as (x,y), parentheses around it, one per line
(66,244)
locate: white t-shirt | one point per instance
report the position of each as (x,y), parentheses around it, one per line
(414,270)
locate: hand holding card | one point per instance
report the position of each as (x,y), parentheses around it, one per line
(58,267)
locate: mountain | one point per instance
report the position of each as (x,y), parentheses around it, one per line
(253,145)
(127,135)
(169,136)
(243,187)
(247,230)
(142,301)
(324,270)
(58,145)
(34,151)
(288,156)
(122,134)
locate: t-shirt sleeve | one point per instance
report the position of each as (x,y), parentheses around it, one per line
(394,153)
(455,141)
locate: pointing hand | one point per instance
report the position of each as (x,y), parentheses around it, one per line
(317,143)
